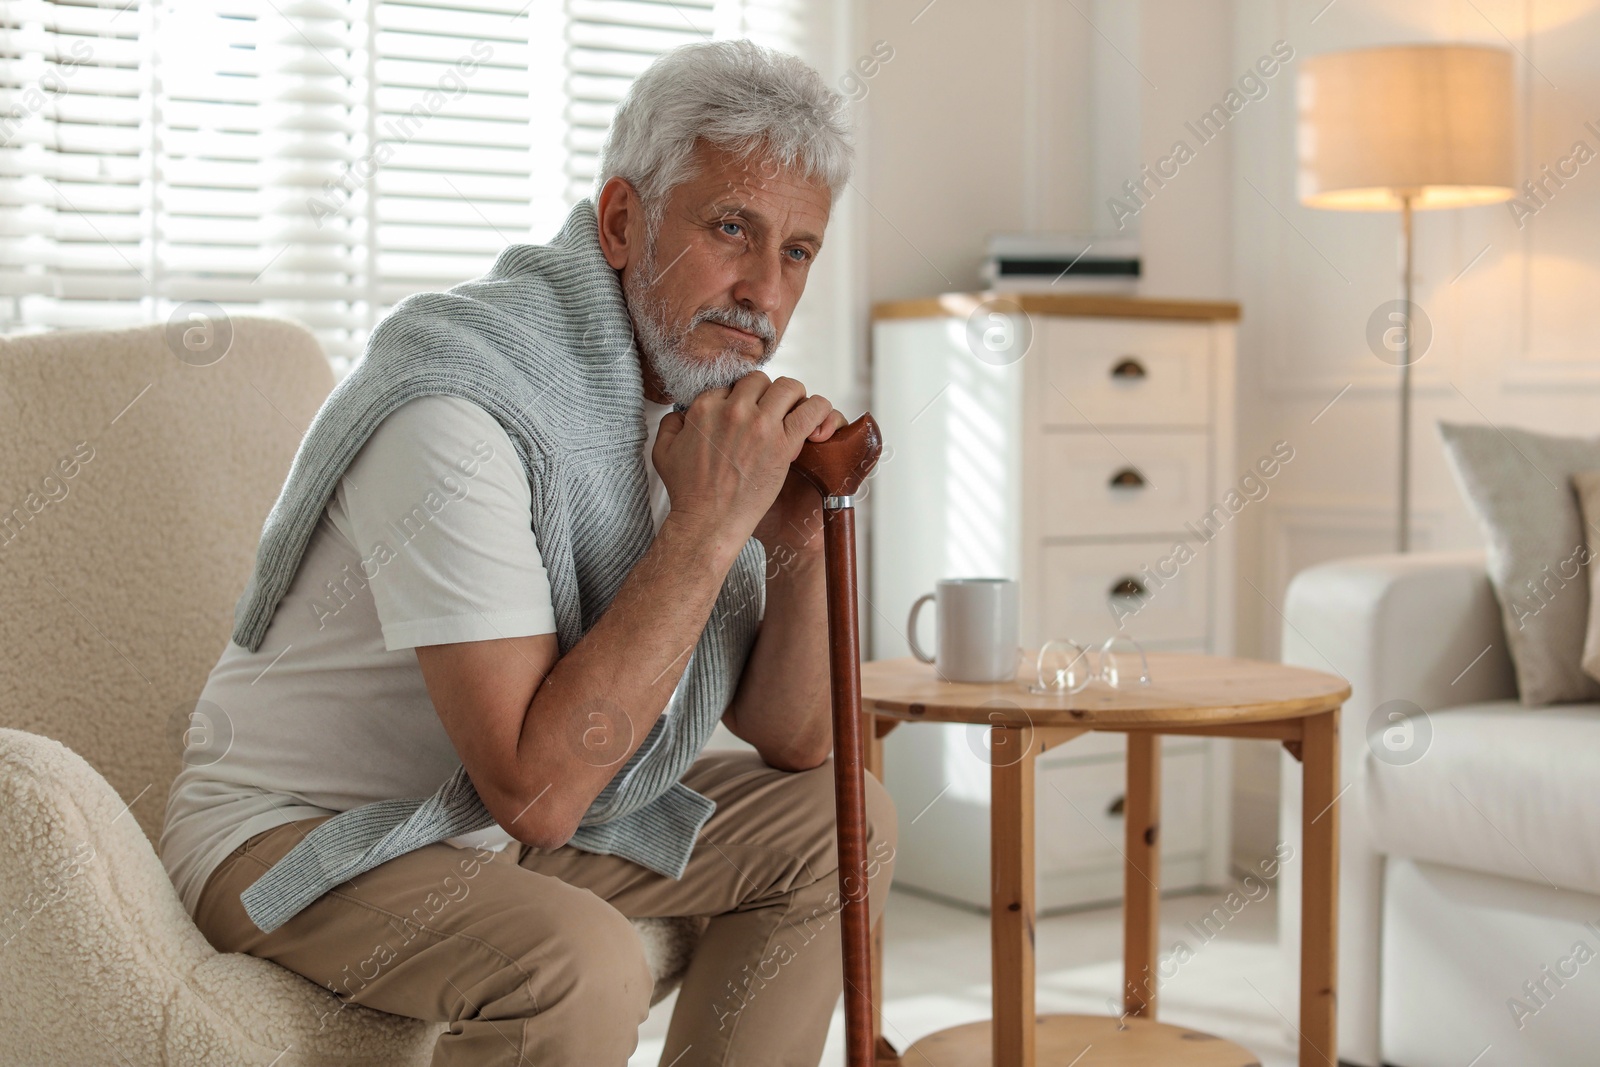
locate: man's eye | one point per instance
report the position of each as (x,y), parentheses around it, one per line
(736,225)
(804,255)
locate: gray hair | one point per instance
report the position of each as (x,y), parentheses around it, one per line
(739,96)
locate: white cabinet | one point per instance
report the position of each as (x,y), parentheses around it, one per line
(1090,467)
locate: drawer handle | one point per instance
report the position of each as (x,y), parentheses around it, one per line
(1127,478)
(1129,368)
(1117,805)
(1128,587)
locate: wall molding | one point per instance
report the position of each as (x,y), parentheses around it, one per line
(1524,370)
(1526,374)
(1370,382)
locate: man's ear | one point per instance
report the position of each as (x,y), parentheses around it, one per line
(618,211)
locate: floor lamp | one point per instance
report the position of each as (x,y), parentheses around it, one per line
(1405,128)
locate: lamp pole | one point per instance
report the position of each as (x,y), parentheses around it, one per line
(1404,524)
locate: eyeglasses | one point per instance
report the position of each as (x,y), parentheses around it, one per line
(1063,665)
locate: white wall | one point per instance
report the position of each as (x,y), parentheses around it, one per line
(1185,233)
(977,124)
(1022,115)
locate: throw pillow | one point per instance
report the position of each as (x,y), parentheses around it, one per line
(1587,484)
(1520,484)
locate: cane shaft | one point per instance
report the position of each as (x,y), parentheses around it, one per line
(836,468)
(838,533)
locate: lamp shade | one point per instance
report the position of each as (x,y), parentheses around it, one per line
(1432,122)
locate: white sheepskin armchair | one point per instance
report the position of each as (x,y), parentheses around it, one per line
(118,582)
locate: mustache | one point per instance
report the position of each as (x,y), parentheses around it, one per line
(740,319)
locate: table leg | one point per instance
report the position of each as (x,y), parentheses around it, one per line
(1011,923)
(1141,908)
(1319,902)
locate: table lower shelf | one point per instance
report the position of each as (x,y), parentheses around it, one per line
(1085,1041)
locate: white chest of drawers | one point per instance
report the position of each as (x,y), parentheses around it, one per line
(1092,466)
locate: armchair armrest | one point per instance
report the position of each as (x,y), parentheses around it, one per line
(1424,628)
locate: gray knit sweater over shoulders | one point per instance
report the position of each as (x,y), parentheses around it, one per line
(543,342)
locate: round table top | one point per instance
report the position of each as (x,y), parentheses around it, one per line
(1185,688)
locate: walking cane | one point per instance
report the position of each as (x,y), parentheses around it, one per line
(837,468)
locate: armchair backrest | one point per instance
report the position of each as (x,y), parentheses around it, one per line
(133,485)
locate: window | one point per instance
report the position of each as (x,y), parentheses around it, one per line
(317,160)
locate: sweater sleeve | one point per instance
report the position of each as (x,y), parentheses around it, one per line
(440,508)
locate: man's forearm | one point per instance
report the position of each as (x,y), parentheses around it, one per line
(598,702)
(783,703)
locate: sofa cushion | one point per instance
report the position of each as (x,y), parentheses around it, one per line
(1501,788)
(1520,485)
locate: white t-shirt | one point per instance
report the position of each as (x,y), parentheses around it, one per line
(427,539)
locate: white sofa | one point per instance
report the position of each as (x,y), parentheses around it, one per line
(1473,869)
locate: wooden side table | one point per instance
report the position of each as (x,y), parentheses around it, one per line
(1188,694)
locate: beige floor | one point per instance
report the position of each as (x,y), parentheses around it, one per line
(937,974)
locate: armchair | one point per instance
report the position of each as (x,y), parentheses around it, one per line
(120,582)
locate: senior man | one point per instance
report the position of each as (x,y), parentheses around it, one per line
(538,542)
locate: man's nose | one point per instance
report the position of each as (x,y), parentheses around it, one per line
(760,285)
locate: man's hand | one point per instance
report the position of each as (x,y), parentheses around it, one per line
(726,465)
(792,526)
(725,461)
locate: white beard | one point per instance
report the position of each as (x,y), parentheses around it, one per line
(684,375)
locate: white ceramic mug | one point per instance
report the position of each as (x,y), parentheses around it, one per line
(976,629)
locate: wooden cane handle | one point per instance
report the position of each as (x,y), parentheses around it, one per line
(839,465)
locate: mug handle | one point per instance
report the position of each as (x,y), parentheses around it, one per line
(911,628)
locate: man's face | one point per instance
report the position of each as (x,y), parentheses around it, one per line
(712,294)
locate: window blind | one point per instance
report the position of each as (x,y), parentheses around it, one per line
(314,159)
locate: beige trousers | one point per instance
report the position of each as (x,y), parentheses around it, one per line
(528,954)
